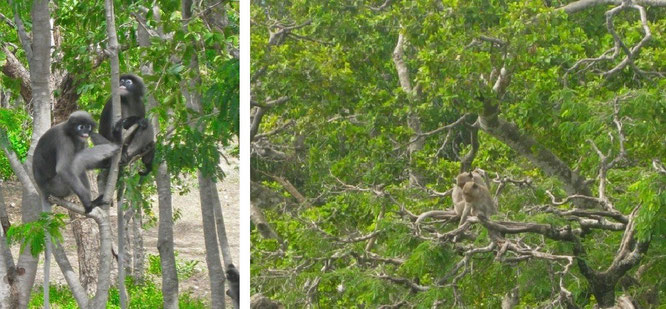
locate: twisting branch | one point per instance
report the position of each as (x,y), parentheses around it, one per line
(619,45)
(26,42)
(401,67)
(381,7)
(606,163)
(259,114)
(503,180)
(410,284)
(658,166)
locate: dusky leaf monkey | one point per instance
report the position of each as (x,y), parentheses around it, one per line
(62,158)
(133,110)
(234,284)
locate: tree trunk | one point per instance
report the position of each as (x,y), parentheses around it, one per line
(206,184)
(4,217)
(603,289)
(86,235)
(165,239)
(221,229)
(7,272)
(40,76)
(215,271)
(122,241)
(163,180)
(137,245)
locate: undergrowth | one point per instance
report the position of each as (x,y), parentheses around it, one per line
(147,295)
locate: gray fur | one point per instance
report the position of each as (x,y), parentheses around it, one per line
(62,157)
(133,110)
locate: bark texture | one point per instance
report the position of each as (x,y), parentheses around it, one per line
(165,239)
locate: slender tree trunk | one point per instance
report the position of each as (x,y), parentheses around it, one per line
(86,235)
(47,262)
(104,276)
(121,248)
(137,247)
(7,272)
(220,227)
(4,217)
(215,271)
(165,228)
(40,75)
(165,239)
(206,184)
(417,141)
(104,272)
(74,284)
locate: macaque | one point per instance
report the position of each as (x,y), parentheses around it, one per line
(478,201)
(457,194)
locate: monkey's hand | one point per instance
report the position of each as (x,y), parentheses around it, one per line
(118,131)
(143,123)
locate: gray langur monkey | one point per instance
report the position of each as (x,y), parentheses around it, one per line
(132,110)
(457,194)
(234,284)
(478,201)
(62,158)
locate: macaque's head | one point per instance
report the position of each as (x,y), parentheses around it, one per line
(471,191)
(464,178)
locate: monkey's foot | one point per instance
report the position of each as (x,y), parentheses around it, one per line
(97,202)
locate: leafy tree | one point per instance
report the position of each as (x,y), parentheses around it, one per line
(363,114)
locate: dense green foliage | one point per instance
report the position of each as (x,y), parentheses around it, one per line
(342,138)
(15,132)
(32,234)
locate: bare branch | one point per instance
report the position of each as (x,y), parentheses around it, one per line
(577,6)
(658,166)
(400,66)
(381,7)
(26,42)
(410,284)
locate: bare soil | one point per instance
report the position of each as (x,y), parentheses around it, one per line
(188,230)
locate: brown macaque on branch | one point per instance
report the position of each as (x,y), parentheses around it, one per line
(457,194)
(478,201)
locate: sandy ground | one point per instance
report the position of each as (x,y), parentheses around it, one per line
(188,230)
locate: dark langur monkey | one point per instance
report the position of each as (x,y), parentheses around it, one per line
(132,110)
(457,194)
(62,158)
(234,284)
(478,201)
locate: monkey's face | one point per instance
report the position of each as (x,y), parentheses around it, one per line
(84,129)
(127,86)
(126,83)
(470,190)
(80,125)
